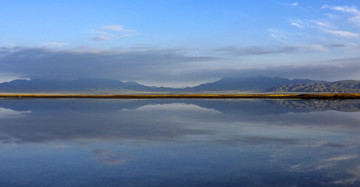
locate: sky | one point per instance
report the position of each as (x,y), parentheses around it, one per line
(179,43)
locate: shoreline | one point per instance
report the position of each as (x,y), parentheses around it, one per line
(192,96)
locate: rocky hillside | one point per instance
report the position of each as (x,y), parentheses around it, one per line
(346,86)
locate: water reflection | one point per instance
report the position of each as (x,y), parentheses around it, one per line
(8,113)
(179,142)
(320,105)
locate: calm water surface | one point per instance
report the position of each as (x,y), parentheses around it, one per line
(84,142)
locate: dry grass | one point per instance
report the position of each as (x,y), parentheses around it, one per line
(190,96)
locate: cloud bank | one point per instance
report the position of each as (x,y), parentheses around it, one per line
(160,66)
(111,64)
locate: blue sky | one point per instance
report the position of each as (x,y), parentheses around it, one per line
(179,42)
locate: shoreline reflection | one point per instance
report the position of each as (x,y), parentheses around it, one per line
(180,142)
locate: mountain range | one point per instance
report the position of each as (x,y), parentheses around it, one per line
(254,84)
(346,86)
(257,84)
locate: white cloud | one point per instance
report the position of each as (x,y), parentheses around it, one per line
(8,44)
(314,47)
(331,16)
(342,158)
(55,44)
(101,38)
(347,9)
(343,33)
(321,23)
(310,23)
(110,32)
(295,4)
(296,25)
(112,28)
(279,35)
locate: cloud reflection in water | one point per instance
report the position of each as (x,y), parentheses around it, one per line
(211,139)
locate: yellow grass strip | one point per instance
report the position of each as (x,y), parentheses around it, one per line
(190,96)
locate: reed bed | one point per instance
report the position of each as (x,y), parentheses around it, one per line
(193,96)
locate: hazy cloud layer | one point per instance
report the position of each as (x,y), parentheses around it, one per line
(339,69)
(172,65)
(258,50)
(114,64)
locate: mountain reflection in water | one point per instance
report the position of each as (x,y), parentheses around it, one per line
(179,142)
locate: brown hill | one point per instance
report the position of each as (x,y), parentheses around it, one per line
(346,86)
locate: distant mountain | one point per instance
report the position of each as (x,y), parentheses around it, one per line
(40,85)
(346,86)
(258,84)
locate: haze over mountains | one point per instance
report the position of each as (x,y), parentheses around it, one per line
(258,84)
(42,85)
(255,84)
